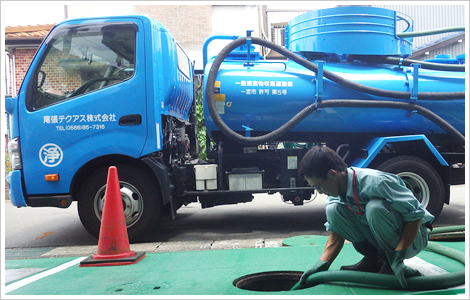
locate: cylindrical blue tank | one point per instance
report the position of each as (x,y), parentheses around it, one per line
(267,94)
(351,30)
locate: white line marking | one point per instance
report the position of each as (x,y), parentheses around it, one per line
(427,269)
(26,281)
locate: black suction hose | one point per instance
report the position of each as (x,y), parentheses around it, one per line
(398,105)
(322,104)
(327,74)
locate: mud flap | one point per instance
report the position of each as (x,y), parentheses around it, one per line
(161,171)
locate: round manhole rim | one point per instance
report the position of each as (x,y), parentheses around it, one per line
(262,277)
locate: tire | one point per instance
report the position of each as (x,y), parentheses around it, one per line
(421,178)
(141,201)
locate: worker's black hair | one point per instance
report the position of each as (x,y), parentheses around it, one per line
(318,161)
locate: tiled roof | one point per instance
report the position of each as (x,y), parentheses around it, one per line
(28,31)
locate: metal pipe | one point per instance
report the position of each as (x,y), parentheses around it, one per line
(430,32)
(407,62)
(209,40)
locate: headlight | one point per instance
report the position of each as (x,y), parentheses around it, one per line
(15,154)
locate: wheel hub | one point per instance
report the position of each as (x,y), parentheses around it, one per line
(132,202)
(417,185)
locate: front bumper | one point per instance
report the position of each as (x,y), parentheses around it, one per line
(18,199)
(15,188)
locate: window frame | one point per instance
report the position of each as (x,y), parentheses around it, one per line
(180,55)
(49,42)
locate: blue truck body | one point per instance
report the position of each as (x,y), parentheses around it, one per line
(281,82)
(121,91)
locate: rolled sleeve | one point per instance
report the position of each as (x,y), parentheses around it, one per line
(329,227)
(330,200)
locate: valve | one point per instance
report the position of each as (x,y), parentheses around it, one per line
(247,130)
(248,63)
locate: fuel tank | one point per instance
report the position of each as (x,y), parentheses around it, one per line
(254,96)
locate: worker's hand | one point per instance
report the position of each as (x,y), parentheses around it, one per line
(399,268)
(318,267)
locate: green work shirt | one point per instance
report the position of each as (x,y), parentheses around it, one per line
(374,184)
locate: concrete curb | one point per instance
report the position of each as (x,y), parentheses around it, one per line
(156,247)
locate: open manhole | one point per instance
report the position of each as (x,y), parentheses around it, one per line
(275,281)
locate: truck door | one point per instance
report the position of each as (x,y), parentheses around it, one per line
(85,98)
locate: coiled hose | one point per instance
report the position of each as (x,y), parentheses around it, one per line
(326,103)
(418,283)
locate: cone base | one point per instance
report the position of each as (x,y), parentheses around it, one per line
(126,254)
(91,262)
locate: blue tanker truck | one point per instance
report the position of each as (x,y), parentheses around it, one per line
(120,91)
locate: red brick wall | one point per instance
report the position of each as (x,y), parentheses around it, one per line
(57,77)
(23,59)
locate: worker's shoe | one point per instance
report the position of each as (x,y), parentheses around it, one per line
(386,268)
(393,264)
(371,261)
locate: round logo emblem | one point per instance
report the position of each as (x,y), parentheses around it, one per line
(51,155)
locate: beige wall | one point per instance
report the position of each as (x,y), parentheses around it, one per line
(191,25)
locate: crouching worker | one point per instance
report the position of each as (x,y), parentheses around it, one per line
(372,209)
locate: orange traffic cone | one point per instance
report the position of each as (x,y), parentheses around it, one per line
(113,243)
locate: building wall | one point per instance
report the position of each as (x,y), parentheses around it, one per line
(453,50)
(23,58)
(58,78)
(8,75)
(233,20)
(79,9)
(190,24)
(429,17)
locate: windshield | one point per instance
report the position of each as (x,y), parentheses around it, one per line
(85,58)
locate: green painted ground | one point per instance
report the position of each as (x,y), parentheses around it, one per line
(209,272)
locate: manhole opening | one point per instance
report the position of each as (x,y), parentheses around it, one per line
(276,281)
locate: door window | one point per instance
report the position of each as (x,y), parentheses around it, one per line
(82,59)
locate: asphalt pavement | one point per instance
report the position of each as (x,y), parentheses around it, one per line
(264,222)
(177,262)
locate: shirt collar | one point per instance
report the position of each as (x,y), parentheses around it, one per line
(350,189)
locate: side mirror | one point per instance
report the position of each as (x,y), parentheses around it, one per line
(41,78)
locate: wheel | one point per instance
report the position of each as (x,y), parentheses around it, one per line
(421,178)
(140,199)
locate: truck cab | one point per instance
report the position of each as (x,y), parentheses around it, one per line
(99,91)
